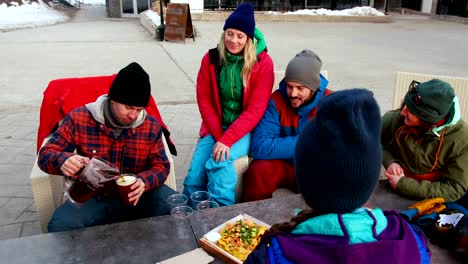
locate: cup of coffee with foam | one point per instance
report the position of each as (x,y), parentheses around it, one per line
(123,185)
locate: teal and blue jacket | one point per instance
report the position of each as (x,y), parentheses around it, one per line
(275,135)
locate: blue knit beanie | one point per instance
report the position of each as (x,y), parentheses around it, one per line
(242,19)
(338,154)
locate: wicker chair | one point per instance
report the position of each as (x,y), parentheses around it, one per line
(242,164)
(49,190)
(403,80)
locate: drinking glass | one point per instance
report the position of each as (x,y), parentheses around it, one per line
(207,205)
(207,214)
(177,199)
(198,197)
(181,215)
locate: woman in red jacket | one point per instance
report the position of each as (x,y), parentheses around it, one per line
(233,88)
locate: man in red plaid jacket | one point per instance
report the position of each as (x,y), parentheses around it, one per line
(117,129)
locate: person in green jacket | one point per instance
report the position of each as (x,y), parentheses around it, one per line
(425,143)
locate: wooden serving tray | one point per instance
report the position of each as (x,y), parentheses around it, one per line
(215,250)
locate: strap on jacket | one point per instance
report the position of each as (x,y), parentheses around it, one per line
(430,176)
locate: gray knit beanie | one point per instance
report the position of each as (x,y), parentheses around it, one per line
(304,68)
(436,100)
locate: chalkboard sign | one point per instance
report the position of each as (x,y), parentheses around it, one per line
(178,23)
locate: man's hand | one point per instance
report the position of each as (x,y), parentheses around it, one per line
(220,152)
(73,165)
(138,188)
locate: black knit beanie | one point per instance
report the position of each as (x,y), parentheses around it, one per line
(436,100)
(338,154)
(304,68)
(242,19)
(131,86)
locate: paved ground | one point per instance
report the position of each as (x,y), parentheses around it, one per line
(355,55)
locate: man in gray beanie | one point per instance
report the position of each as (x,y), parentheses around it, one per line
(117,129)
(425,143)
(290,108)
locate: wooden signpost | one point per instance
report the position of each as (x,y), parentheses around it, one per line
(178,23)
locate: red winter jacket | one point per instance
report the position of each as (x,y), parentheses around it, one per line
(255,98)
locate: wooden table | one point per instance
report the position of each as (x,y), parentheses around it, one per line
(280,210)
(141,241)
(155,239)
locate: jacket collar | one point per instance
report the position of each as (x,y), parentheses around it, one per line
(304,109)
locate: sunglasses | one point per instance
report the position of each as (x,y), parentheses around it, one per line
(416,97)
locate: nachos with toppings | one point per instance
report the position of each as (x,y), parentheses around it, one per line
(240,238)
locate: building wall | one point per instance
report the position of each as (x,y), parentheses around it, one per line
(434,7)
(426,6)
(114,9)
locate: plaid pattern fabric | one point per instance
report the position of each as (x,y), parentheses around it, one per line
(144,149)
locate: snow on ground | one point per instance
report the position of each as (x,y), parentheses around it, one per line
(30,14)
(355,11)
(154,17)
(94,2)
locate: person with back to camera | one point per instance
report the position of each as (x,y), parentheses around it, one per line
(290,108)
(337,164)
(233,88)
(114,124)
(425,143)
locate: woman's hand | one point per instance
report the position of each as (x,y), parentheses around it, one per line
(394,174)
(394,179)
(394,169)
(220,152)
(73,165)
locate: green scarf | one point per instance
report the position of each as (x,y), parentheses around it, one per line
(231,88)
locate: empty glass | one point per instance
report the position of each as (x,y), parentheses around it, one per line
(176,200)
(198,197)
(207,205)
(206,214)
(181,215)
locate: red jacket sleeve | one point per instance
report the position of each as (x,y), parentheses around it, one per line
(207,98)
(256,97)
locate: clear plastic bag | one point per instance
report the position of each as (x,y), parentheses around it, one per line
(97,172)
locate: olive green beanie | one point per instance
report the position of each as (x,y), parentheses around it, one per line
(437,99)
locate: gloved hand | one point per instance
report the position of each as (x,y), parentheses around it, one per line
(424,207)
(437,208)
(429,205)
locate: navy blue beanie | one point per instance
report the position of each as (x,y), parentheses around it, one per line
(242,19)
(131,86)
(338,154)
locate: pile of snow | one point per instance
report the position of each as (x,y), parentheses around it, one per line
(94,2)
(355,11)
(30,14)
(154,17)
